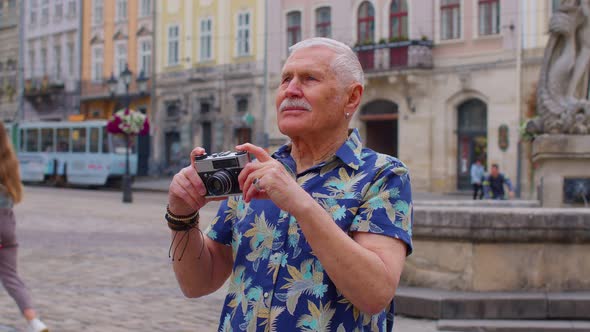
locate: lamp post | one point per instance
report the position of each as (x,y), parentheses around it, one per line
(126,76)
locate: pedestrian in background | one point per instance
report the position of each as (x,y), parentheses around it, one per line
(477,177)
(11,192)
(494,184)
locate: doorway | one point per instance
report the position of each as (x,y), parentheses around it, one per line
(472,141)
(381,126)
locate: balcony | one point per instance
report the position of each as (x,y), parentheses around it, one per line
(99,90)
(408,54)
(43,87)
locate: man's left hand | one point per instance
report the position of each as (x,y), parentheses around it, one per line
(273,181)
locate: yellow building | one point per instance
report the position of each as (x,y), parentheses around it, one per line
(210,76)
(117,34)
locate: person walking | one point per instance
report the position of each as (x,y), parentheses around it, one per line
(494,184)
(477,176)
(11,193)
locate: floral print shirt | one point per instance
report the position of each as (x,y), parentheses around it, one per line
(277,284)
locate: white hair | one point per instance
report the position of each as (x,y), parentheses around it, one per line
(345,64)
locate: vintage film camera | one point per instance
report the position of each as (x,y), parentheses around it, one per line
(220,171)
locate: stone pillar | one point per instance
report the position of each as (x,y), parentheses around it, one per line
(559,159)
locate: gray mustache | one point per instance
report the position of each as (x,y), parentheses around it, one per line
(295,103)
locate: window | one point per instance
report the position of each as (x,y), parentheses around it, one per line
(63,140)
(323,22)
(33,13)
(366,23)
(205,107)
(32,143)
(145,56)
(44,12)
(97,62)
(243,34)
(206,27)
(57,61)
(242,105)
(70,58)
(105,140)
(58,10)
(146,8)
(44,61)
(120,56)
(173,47)
(97,12)
(32,63)
(47,140)
(121,11)
(94,136)
(71,8)
(79,140)
(293,28)
(398,20)
(11,3)
(489,17)
(450,12)
(555,5)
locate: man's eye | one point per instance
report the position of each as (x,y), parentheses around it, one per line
(311,78)
(286,79)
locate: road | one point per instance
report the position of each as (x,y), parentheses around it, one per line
(93,263)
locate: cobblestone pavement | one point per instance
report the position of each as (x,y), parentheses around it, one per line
(93,263)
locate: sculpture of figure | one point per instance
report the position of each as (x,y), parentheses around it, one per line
(565,63)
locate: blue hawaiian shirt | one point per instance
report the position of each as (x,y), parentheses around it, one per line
(277,284)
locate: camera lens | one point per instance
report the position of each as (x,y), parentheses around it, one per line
(220,183)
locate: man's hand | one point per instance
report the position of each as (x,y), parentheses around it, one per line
(511,194)
(187,191)
(273,181)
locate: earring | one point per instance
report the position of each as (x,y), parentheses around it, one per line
(347,115)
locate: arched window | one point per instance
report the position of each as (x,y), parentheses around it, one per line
(366,23)
(323,22)
(398,20)
(293,28)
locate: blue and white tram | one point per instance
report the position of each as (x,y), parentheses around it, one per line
(79,153)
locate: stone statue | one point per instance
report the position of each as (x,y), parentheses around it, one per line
(560,108)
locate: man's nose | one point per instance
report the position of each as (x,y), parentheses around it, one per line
(294,88)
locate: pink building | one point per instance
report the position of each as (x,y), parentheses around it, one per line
(442,79)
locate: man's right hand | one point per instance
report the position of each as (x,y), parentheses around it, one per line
(187,191)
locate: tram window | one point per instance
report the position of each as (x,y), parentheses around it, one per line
(63,140)
(79,140)
(47,143)
(94,134)
(105,140)
(32,144)
(21,141)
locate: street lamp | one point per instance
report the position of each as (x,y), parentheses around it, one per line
(112,82)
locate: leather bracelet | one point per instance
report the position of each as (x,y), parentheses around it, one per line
(181,228)
(175,216)
(192,220)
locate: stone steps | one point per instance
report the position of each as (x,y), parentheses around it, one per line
(513,325)
(458,305)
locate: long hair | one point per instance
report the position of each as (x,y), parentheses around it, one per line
(9,172)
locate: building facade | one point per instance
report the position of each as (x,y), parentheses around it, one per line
(9,55)
(210,88)
(117,37)
(445,80)
(51,50)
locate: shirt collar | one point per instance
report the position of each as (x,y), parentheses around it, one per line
(349,153)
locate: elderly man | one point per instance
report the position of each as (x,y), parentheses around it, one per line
(319,237)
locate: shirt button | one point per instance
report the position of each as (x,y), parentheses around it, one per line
(265,295)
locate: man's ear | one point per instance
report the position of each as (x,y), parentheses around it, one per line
(355,93)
